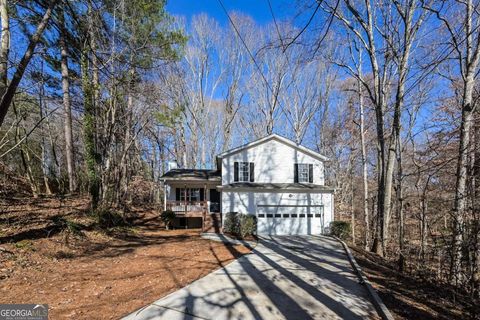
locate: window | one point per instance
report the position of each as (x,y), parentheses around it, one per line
(243,172)
(192,194)
(303,173)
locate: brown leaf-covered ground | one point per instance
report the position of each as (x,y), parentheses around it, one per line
(96,274)
(410,297)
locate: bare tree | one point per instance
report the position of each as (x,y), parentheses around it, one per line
(66,104)
(5,46)
(462,23)
(398,36)
(364,162)
(7,97)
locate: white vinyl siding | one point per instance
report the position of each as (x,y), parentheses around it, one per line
(283,203)
(274,163)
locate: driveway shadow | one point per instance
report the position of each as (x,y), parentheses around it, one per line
(283,278)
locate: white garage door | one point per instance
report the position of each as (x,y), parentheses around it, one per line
(289,220)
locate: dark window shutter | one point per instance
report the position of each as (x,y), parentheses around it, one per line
(235,171)
(177,194)
(252,172)
(295,173)
(202,194)
(310,173)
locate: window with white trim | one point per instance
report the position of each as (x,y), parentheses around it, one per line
(192,194)
(243,171)
(303,173)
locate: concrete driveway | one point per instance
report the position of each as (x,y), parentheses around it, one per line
(294,277)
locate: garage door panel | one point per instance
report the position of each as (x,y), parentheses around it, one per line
(280,226)
(283,210)
(283,220)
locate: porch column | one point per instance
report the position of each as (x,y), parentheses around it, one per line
(205,202)
(205,206)
(164,195)
(186,219)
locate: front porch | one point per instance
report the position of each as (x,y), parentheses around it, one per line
(189,212)
(193,196)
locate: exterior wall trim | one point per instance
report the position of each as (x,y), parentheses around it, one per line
(291,205)
(258,190)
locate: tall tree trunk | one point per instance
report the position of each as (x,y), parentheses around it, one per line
(470,64)
(476,208)
(386,151)
(6,99)
(53,152)
(460,194)
(25,157)
(43,143)
(67,122)
(203,152)
(4,46)
(182,149)
(401,222)
(364,166)
(352,198)
(89,130)
(378,238)
(126,158)
(423,223)
(95,92)
(395,135)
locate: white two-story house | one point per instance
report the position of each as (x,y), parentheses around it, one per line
(273,178)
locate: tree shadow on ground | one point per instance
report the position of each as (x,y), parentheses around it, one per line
(272,273)
(412,298)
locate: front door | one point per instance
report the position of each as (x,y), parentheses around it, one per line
(214,200)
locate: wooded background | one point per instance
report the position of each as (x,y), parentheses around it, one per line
(97,97)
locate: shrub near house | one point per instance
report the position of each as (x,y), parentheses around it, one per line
(240,225)
(340,229)
(167,217)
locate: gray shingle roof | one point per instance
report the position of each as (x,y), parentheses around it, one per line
(203,174)
(277,186)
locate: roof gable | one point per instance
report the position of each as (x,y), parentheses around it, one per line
(278,138)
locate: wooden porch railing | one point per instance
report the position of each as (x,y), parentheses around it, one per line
(180,207)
